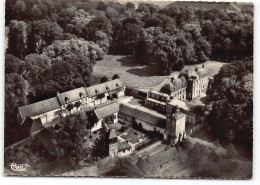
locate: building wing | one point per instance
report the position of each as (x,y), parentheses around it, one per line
(39,108)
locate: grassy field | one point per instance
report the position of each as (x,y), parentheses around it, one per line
(136,75)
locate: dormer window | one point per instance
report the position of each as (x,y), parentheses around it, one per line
(66,99)
(107,88)
(81,95)
(117,85)
(96,91)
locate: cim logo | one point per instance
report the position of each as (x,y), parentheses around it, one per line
(19,167)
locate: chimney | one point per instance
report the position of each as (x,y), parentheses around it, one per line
(172,79)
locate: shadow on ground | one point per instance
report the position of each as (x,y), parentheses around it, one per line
(128,61)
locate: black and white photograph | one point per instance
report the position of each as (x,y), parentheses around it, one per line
(134,89)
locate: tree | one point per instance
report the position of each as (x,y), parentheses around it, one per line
(231,101)
(103,79)
(101,6)
(12,64)
(115,76)
(100,23)
(101,143)
(130,5)
(69,140)
(18,38)
(73,59)
(33,68)
(43,33)
(16,90)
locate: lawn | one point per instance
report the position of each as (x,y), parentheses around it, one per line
(132,74)
(136,75)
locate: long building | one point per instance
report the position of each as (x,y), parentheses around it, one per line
(69,102)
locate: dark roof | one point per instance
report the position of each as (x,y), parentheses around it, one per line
(122,146)
(36,125)
(107,110)
(72,95)
(143,114)
(172,86)
(132,136)
(146,167)
(39,107)
(104,87)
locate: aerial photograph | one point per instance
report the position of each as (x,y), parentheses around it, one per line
(136,89)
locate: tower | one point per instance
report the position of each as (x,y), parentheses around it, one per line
(175,126)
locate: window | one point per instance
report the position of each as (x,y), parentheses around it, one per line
(115,116)
(81,95)
(66,99)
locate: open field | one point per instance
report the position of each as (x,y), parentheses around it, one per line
(132,74)
(136,75)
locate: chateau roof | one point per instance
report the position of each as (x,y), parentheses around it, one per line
(107,110)
(171,86)
(72,95)
(104,87)
(39,107)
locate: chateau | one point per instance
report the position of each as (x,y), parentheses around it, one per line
(165,113)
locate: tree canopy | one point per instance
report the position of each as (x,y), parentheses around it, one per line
(231,100)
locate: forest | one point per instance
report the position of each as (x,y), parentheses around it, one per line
(53,45)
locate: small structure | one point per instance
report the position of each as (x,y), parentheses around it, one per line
(107,114)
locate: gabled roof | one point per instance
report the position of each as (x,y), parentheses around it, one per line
(172,86)
(104,87)
(122,146)
(107,110)
(39,107)
(72,95)
(112,134)
(29,125)
(143,114)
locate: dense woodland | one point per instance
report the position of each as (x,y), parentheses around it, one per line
(230,96)
(53,45)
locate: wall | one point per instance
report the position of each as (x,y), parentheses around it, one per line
(149,127)
(125,153)
(48,116)
(180,125)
